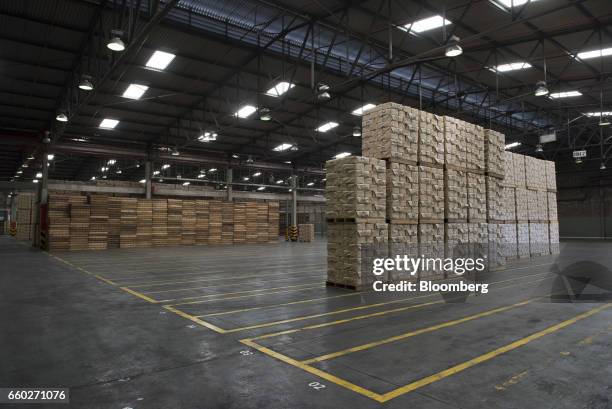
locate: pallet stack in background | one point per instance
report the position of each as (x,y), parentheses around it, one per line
(306,232)
(26,214)
(97,222)
(449,189)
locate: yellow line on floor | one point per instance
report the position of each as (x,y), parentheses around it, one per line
(81,269)
(336,296)
(425,381)
(376,314)
(352,294)
(194,319)
(415,333)
(139,295)
(259,292)
(151,284)
(489,355)
(246,296)
(106,280)
(210,286)
(312,370)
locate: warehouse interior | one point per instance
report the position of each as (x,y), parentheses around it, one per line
(194,195)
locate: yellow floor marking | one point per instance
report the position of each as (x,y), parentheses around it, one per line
(512,381)
(489,355)
(352,294)
(246,296)
(195,319)
(565,353)
(81,269)
(312,370)
(258,292)
(106,280)
(358,317)
(139,295)
(154,283)
(427,380)
(415,333)
(214,286)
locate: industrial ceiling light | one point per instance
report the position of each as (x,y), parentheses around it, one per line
(61,117)
(86,84)
(250,159)
(453,50)
(362,109)
(35,180)
(565,94)
(116,43)
(245,111)
(585,55)
(212,170)
(265,114)
(25,165)
(342,155)
(19,172)
(541,89)
(512,145)
(282,147)
(256,174)
(93,178)
(260,188)
(108,123)
(135,91)
(356,131)
(327,126)
(143,181)
(186,183)
(160,60)
(175,152)
(511,67)
(578,161)
(31,157)
(111,162)
(38,175)
(323,92)
(310,184)
(118,171)
(50,156)
(279,89)
(602,166)
(246,178)
(235,156)
(539,148)
(165,166)
(604,121)
(294,147)
(426,24)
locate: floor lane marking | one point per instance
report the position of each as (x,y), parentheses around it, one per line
(139,295)
(150,284)
(257,292)
(381,398)
(245,296)
(489,355)
(414,333)
(376,314)
(195,319)
(361,307)
(211,286)
(337,296)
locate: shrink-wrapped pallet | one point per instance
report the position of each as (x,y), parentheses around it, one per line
(391,131)
(475,161)
(402,191)
(144,223)
(160,222)
(553,235)
(98,222)
(509,240)
(351,249)
(519,170)
(431,245)
(457,240)
(273,217)
(201,228)
(477,197)
(535,173)
(509,173)
(495,143)
(496,251)
(79,226)
(551,176)
(356,188)
(539,243)
(188,221)
(552,206)
(455,143)
(240,223)
(522,208)
(175,222)
(455,196)
(431,194)
(431,139)
(129,219)
(495,198)
(403,241)
(306,232)
(523,240)
(508,209)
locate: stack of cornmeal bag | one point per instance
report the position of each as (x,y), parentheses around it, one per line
(433,186)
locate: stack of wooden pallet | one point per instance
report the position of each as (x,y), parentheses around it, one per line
(227,222)
(273,219)
(201,229)
(215,223)
(240,218)
(114,222)
(306,232)
(59,223)
(144,225)
(262,222)
(160,222)
(188,233)
(79,225)
(175,222)
(129,219)
(251,222)
(98,222)
(26,213)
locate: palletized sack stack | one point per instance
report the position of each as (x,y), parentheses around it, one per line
(431,190)
(522,210)
(355,211)
(508,208)
(537,206)
(495,143)
(551,193)
(391,133)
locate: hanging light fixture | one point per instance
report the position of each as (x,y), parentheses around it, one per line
(539,148)
(603,121)
(602,166)
(175,152)
(541,89)
(323,92)
(265,114)
(250,159)
(61,117)
(453,50)
(116,43)
(294,147)
(356,131)
(86,84)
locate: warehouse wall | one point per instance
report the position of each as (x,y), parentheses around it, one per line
(585,204)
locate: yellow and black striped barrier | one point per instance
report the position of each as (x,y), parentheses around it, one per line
(293,233)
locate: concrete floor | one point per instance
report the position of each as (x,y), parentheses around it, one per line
(254,327)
